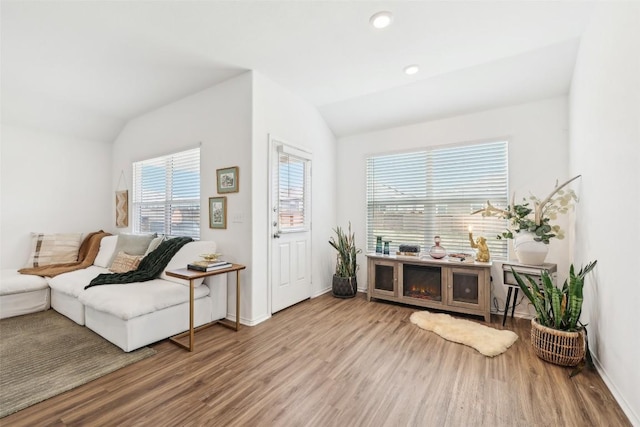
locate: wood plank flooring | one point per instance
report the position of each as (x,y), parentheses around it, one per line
(333,362)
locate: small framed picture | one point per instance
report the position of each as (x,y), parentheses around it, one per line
(218,212)
(228,180)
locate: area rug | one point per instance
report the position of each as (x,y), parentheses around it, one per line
(488,341)
(44,354)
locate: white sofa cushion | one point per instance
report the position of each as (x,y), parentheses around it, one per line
(73,282)
(107,248)
(131,300)
(187,254)
(12,282)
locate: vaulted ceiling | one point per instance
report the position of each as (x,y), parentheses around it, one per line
(84,68)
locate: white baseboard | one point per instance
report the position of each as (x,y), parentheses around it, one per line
(247,322)
(626,408)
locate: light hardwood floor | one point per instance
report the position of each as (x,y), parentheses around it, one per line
(332,362)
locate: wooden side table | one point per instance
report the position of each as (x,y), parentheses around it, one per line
(191,275)
(533,271)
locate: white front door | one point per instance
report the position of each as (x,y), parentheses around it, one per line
(290,225)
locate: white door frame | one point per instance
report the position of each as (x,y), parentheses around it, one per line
(275,141)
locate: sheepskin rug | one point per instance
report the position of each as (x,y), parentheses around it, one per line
(488,341)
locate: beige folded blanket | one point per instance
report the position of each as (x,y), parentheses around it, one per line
(87,254)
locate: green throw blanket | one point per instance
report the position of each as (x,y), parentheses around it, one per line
(150,267)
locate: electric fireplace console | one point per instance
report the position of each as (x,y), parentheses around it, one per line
(443,285)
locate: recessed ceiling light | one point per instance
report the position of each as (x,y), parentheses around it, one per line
(411,69)
(381,19)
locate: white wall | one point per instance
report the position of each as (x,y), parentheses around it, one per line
(51,183)
(232,121)
(219,118)
(538,154)
(605,147)
(279,112)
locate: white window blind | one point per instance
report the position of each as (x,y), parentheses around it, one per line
(412,197)
(292,185)
(166,194)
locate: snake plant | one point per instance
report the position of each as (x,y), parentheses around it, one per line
(557,308)
(345,244)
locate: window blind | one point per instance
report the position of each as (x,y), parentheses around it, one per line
(412,197)
(166,194)
(292,192)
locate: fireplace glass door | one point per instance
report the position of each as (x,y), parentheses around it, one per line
(384,277)
(464,288)
(422,282)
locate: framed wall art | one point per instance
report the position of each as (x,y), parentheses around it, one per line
(228,180)
(218,212)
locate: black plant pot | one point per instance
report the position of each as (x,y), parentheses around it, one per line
(344,287)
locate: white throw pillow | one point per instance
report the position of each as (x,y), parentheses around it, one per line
(48,249)
(154,244)
(187,254)
(107,249)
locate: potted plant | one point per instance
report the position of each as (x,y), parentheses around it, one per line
(344,280)
(530,222)
(557,335)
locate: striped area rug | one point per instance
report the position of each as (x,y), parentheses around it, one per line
(44,354)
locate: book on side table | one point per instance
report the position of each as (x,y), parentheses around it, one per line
(208,266)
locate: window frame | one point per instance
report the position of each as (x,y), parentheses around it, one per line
(173,173)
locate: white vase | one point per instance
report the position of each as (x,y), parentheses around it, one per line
(528,250)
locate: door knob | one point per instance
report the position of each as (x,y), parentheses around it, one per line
(276,235)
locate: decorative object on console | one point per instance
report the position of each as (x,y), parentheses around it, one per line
(557,335)
(386,251)
(437,251)
(227,179)
(378,244)
(408,250)
(344,284)
(218,212)
(532,223)
(481,245)
(210,257)
(460,257)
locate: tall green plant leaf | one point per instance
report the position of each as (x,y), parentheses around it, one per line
(533,295)
(344,244)
(575,294)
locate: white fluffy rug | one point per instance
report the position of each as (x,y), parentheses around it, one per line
(488,341)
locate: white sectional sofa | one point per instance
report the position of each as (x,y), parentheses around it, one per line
(135,314)
(22,294)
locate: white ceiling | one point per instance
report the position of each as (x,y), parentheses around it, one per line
(84,68)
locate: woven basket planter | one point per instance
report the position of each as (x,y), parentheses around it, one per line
(559,347)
